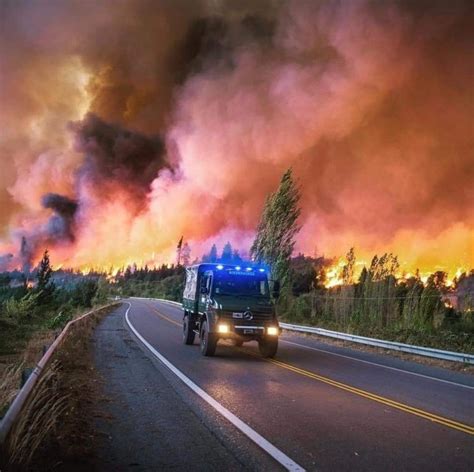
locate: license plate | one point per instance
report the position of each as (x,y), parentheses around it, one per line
(249,331)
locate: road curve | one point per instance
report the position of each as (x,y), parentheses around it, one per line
(325,407)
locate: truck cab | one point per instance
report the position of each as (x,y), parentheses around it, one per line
(224,301)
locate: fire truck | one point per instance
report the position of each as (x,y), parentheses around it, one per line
(225,301)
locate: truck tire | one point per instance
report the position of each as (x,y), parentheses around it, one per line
(268,347)
(208,341)
(188,330)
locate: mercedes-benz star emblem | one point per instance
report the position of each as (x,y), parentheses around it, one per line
(248,316)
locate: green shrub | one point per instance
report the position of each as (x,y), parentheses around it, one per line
(84,293)
(59,320)
(17,311)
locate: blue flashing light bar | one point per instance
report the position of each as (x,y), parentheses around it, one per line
(239,268)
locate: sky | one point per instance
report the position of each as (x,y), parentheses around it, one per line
(127,124)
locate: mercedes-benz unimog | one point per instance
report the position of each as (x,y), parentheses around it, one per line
(224,301)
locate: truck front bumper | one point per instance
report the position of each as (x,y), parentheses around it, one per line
(242,331)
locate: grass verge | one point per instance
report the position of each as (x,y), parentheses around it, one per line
(54,430)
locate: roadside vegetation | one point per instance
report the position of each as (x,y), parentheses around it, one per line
(383,306)
(162,282)
(32,310)
(56,430)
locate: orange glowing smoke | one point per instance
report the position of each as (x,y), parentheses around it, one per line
(369,102)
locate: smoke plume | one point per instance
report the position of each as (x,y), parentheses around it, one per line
(124,129)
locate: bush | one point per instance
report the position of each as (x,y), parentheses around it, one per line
(17,311)
(84,293)
(300,309)
(60,320)
(102,293)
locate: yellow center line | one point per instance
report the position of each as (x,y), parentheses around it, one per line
(166,318)
(163,316)
(371,396)
(354,390)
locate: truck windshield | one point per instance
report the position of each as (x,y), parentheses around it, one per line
(240,285)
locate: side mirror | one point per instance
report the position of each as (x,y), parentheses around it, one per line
(204,290)
(276,289)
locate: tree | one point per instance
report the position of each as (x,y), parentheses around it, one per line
(348,269)
(304,274)
(236,258)
(276,231)
(178,251)
(185,254)
(213,254)
(226,257)
(84,293)
(44,271)
(45,287)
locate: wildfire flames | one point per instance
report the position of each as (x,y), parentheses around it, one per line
(334,273)
(123,130)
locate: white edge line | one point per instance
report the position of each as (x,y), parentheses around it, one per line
(379,365)
(269,448)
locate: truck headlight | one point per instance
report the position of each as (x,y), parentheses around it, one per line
(222,328)
(272,331)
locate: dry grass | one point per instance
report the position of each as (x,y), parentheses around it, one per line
(54,430)
(39,419)
(9,384)
(13,365)
(36,347)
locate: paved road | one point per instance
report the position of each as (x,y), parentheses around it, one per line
(143,422)
(326,407)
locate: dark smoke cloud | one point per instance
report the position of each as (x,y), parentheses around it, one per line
(60,226)
(58,230)
(60,59)
(211,42)
(115,160)
(116,157)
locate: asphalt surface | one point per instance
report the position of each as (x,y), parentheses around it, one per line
(326,407)
(148,420)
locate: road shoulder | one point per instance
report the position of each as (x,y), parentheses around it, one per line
(148,421)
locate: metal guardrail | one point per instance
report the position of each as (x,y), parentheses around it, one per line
(18,403)
(419,350)
(395,346)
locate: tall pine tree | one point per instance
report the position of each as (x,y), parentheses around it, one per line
(213,254)
(45,287)
(226,257)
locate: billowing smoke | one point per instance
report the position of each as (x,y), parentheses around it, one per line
(58,229)
(116,159)
(61,225)
(167,118)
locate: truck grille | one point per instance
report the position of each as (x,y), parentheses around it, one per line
(258,318)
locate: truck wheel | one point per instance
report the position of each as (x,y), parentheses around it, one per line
(268,347)
(188,330)
(208,341)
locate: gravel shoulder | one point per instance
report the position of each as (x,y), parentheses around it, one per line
(148,421)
